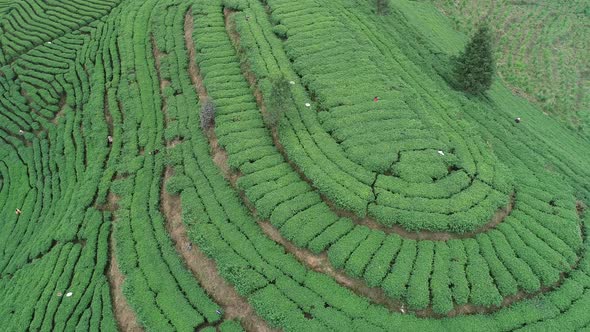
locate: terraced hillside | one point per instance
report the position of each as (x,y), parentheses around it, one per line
(383,200)
(542,49)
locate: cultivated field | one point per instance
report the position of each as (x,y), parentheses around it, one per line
(383,200)
(543,50)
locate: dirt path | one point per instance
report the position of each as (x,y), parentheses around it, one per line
(495,220)
(204,269)
(193,68)
(320,263)
(125,316)
(376,295)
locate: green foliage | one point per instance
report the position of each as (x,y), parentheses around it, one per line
(475,68)
(538,53)
(382,7)
(340,153)
(280,30)
(207,115)
(277,102)
(235,4)
(177,184)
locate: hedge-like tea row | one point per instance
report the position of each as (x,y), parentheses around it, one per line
(306,210)
(161,290)
(32,23)
(301,119)
(217,231)
(73,73)
(66,97)
(51,172)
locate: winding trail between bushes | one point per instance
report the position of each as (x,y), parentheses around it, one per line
(320,262)
(494,221)
(202,267)
(124,315)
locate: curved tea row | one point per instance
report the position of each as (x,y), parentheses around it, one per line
(358,213)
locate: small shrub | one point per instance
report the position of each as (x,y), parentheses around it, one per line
(382,7)
(207,115)
(280,30)
(277,101)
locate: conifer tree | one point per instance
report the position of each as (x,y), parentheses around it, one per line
(475,67)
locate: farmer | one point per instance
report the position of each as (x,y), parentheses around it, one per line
(110,139)
(517,120)
(218,311)
(21,132)
(189,246)
(18,211)
(376,99)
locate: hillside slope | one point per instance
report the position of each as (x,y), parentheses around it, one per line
(542,50)
(383,200)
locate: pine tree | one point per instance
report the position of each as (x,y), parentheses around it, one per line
(475,67)
(382,7)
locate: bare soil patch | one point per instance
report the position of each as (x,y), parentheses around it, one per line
(193,68)
(125,316)
(204,269)
(321,264)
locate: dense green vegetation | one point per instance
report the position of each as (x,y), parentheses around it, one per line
(542,48)
(315,153)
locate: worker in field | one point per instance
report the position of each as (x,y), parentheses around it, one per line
(110,139)
(18,211)
(376,99)
(517,120)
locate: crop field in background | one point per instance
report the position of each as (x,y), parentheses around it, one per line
(383,200)
(543,50)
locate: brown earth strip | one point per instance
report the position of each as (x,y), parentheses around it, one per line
(321,264)
(204,269)
(124,315)
(494,221)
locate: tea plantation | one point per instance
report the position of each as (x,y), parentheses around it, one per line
(543,50)
(382,199)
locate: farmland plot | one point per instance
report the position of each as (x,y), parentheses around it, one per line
(382,200)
